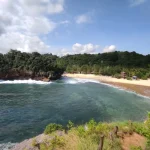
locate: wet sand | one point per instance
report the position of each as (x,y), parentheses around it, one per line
(140,89)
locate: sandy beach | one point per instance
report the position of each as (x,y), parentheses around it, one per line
(139,86)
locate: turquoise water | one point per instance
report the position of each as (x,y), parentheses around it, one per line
(26,107)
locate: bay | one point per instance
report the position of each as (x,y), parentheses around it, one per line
(26,107)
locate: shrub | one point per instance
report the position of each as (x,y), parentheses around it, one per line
(129,78)
(148,121)
(87,144)
(115,145)
(102,128)
(118,76)
(70,125)
(148,145)
(54,143)
(144,77)
(52,127)
(81,131)
(92,124)
(142,129)
(57,142)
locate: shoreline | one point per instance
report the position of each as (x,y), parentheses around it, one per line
(141,87)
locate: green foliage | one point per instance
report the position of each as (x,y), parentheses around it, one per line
(135,148)
(88,136)
(148,145)
(81,131)
(115,145)
(92,124)
(142,129)
(54,143)
(15,64)
(87,143)
(103,128)
(52,127)
(57,142)
(110,64)
(129,78)
(144,77)
(51,66)
(148,121)
(118,76)
(70,124)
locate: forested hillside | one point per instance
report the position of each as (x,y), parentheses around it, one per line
(111,64)
(17,65)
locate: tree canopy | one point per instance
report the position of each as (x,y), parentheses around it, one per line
(48,65)
(33,64)
(111,64)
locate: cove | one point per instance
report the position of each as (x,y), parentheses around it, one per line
(26,107)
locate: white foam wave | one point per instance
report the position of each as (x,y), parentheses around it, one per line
(79,81)
(30,81)
(7,146)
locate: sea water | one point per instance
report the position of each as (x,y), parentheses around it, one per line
(27,106)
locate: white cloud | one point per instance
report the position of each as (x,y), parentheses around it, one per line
(39,25)
(87,48)
(22,42)
(78,49)
(136,2)
(63,52)
(83,19)
(110,48)
(27,19)
(38,7)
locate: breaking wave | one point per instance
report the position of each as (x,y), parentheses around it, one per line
(30,81)
(7,146)
(78,81)
(63,81)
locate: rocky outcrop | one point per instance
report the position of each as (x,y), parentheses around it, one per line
(29,144)
(33,143)
(25,75)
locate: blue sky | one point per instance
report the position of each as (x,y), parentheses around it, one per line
(75,26)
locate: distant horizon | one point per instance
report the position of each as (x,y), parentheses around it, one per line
(66,26)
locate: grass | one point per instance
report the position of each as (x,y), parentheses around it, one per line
(88,136)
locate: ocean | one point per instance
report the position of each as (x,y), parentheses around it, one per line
(26,107)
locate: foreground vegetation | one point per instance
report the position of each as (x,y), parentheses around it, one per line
(88,136)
